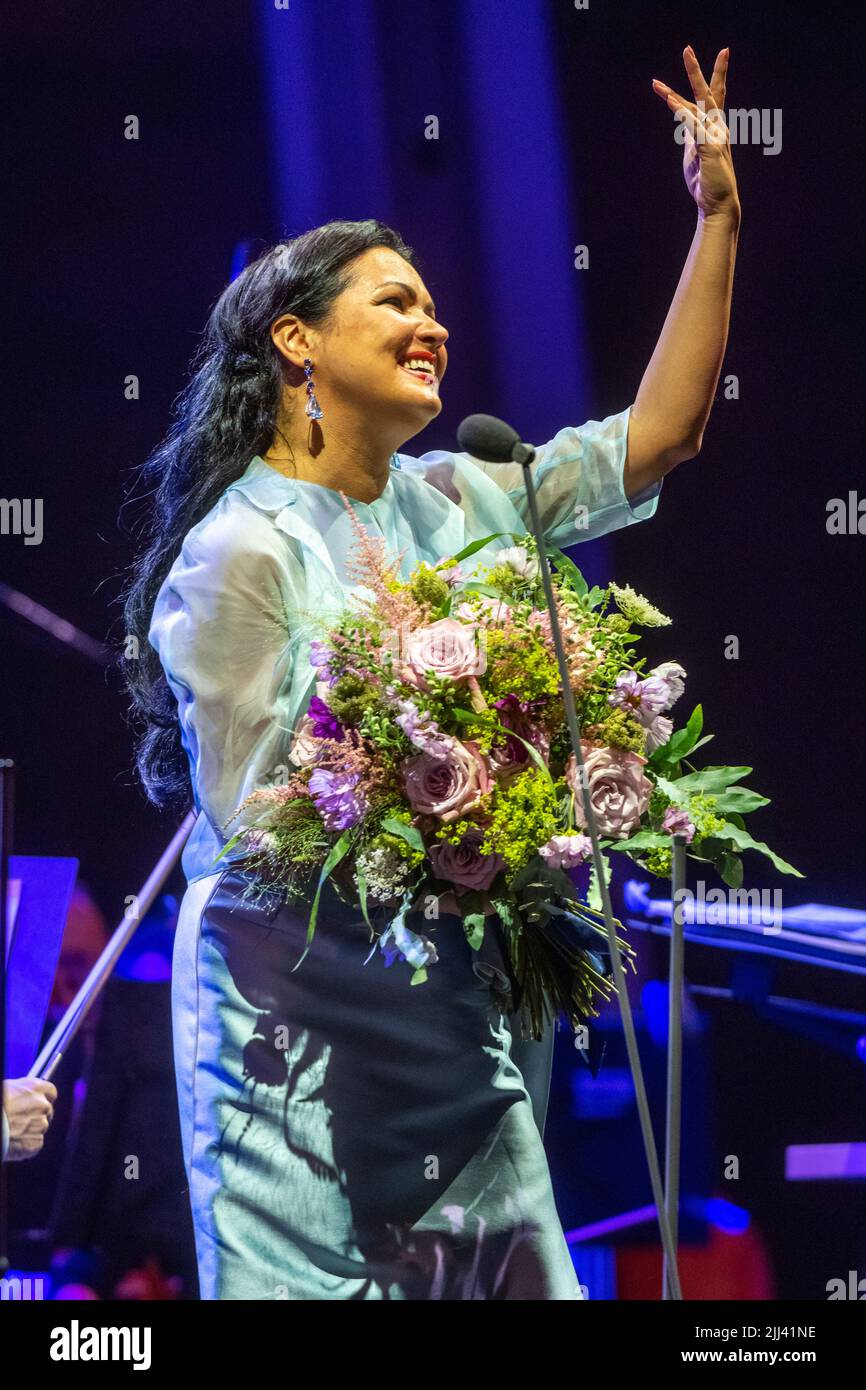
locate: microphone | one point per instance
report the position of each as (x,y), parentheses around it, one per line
(492,440)
(485,437)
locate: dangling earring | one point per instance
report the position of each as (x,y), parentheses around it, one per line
(314,410)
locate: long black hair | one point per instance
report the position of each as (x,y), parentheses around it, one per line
(226,414)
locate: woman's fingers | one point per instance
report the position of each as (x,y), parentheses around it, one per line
(718,79)
(709,122)
(673,99)
(711,95)
(697,81)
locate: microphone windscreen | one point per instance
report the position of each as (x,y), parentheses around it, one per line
(487,438)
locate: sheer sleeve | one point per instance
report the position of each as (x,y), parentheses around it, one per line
(578,476)
(220,628)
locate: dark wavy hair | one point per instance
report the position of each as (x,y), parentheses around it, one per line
(226,414)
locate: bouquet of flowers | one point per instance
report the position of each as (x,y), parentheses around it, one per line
(433,770)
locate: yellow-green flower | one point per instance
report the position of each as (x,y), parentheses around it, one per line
(523,816)
(637,608)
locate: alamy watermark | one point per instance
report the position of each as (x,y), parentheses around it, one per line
(741,907)
(26,1288)
(22,516)
(746,126)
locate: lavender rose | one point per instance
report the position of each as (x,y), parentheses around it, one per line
(463,864)
(618,790)
(449,785)
(508,759)
(446,648)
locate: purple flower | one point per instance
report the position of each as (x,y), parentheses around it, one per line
(676,822)
(658,730)
(642,698)
(674,677)
(566,851)
(321,655)
(510,755)
(421,730)
(325,722)
(337,799)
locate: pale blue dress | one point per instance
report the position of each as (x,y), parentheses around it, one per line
(347,1136)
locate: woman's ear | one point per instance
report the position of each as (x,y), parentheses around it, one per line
(293,341)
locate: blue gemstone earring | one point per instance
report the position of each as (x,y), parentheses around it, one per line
(395,461)
(314,410)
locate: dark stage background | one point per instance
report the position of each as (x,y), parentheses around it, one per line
(550,136)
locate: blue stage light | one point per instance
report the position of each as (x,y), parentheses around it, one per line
(725,1215)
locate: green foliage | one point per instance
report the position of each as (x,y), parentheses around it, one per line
(350,697)
(402,832)
(681,742)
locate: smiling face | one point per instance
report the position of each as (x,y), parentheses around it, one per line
(383,321)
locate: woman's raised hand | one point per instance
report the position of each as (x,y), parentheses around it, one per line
(707,164)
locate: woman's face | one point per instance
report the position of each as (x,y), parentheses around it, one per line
(381,321)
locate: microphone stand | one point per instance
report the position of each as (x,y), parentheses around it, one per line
(673,1097)
(524,454)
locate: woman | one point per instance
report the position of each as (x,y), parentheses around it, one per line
(347,1136)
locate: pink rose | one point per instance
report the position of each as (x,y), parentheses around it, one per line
(449,785)
(463,864)
(445,648)
(618,790)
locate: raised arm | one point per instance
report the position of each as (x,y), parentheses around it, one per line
(675,397)
(579,479)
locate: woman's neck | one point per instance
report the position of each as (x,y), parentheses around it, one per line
(336,458)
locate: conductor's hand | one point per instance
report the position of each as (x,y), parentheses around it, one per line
(29,1107)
